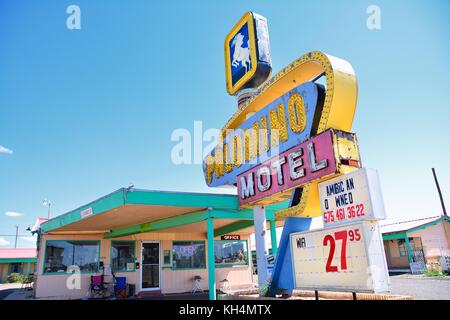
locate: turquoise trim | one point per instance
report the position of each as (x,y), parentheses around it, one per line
(191,241)
(65,272)
(18,260)
(401,234)
(135,254)
(408,246)
(394,236)
(429,224)
(211,262)
(273,237)
(181,199)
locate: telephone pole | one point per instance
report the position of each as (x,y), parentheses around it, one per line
(17,234)
(439,192)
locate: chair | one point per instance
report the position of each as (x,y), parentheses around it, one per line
(196,284)
(98,288)
(224,285)
(120,287)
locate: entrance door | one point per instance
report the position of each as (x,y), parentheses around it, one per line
(150,270)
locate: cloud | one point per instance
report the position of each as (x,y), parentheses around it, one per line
(5,150)
(13,214)
(4,242)
(29,239)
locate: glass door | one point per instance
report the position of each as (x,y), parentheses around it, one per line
(150,266)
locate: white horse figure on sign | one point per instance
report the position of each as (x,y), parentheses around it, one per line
(241,54)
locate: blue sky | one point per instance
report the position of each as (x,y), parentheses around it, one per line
(88,111)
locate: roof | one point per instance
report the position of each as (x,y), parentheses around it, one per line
(137,208)
(37,224)
(407,225)
(18,253)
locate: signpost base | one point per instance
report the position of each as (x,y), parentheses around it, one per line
(283,274)
(259,218)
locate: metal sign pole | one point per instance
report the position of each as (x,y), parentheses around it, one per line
(259,218)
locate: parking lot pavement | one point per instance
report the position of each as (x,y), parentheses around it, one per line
(7,289)
(420,287)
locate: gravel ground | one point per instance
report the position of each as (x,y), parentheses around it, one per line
(421,288)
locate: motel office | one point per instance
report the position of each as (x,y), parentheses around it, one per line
(159,241)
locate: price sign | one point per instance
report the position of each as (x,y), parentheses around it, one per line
(353,197)
(346,258)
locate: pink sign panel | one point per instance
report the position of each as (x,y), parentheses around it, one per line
(308,161)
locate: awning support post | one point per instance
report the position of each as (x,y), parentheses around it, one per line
(259,216)
(273,236)
(408,247)
(211,260)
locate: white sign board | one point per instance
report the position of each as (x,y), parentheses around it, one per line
(353,197)
(86,213)
(345,258)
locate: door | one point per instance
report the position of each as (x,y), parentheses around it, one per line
(150,268)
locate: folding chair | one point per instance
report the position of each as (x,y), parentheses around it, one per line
(196,284)
(120,287)
(98,287)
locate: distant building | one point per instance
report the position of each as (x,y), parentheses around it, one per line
(417,245)
(19,260)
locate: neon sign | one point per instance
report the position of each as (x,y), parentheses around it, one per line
(281,125)
(316,158)
(250,136)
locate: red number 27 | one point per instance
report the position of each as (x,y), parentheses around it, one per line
(329,239)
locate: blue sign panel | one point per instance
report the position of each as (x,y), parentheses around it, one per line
(312,95)
(247,53)
(240,58)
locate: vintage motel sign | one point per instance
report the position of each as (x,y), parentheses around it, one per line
(248,62)
(355,196)
(334,110)
(345,258)
(255,141)
(317,158)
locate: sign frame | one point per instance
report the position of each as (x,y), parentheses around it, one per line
(369,198)
(376,262)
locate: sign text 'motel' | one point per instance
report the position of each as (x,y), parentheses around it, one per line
(313,159)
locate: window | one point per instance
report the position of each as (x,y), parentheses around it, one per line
(403,251)
(230,253)
(167,257)
(189,255)
(15,268)
(123,254)
(62,256)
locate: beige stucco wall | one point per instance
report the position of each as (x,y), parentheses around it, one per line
(393,257)
(171,281)
(434,240)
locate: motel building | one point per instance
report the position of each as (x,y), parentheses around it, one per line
(162,242)
(417,245)
(16,260)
